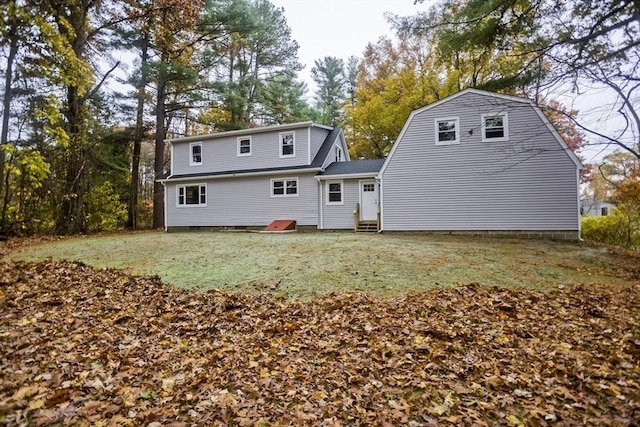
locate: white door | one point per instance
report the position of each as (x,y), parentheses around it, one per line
(368,201)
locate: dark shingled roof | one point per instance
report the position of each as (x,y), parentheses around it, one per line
(355,167)
(325,148)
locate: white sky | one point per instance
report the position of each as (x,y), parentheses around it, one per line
(339,28)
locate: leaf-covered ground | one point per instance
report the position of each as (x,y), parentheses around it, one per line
(81,346)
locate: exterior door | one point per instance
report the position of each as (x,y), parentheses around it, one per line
(368,201)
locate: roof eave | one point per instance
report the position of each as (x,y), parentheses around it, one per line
(240,174)
(250,131)
(348,176)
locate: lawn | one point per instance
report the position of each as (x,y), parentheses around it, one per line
(304,265)
(556,343)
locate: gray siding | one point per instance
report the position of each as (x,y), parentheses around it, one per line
(221,154)
(246,202)
(341,216)
(318,136)
(525,183)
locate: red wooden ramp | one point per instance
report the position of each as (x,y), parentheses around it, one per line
(281,225)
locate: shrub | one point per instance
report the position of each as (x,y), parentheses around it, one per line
(108,213)
(617,229)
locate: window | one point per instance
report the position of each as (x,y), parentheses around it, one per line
(196,154)
(244,146)
(284,187)
(447,131)
(494,127)
(334,193)
(338,154)
(192,195)
(368,187)
(604,211)
(287,144)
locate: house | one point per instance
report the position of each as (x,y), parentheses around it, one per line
(591,207)
(473,162)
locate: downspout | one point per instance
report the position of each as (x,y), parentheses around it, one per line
(321,222)
(381,204)
(166,225)
(578,207)
(309,145)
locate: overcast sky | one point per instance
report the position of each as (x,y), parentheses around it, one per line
(339,28)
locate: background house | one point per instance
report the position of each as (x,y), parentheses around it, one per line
(590,207)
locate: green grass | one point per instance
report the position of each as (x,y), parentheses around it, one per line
(302,265)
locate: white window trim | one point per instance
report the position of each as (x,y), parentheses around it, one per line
(244,138)
(191,162)
(505,122)
(457,130)
(280,145)
(185,205)
(327,184)
(294,178)
(339,150)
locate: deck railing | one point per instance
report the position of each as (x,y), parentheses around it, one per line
(356,217)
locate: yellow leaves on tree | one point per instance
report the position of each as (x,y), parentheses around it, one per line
(394,79)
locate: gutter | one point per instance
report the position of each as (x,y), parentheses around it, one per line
(347,176)
(240,174)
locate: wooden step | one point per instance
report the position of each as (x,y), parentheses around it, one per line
(367,227)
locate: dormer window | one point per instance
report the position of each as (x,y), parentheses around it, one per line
(495,127)
(196,154)
(244,146)
(287,144)
(338,154)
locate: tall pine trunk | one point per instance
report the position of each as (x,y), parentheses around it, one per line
(161,134)
(71,217)
(137,142)
(4,137)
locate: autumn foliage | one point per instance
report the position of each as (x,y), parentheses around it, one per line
(80,346)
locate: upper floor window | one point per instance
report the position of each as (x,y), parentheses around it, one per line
(338,154)
(244,146)
(284,187)
(287,144)
(196,153)
(192,195)
(447,131)
(494,127)
(604,211)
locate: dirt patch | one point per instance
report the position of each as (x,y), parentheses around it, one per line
(85,346)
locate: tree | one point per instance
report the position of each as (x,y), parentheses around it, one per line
(393,80)
(282,101)
(255,55)
(565,44)
(329,75)
(172,26)
(617,179)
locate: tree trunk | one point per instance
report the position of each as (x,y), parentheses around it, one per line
(4,138)
(137,142)
(158,188)
(71,217)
